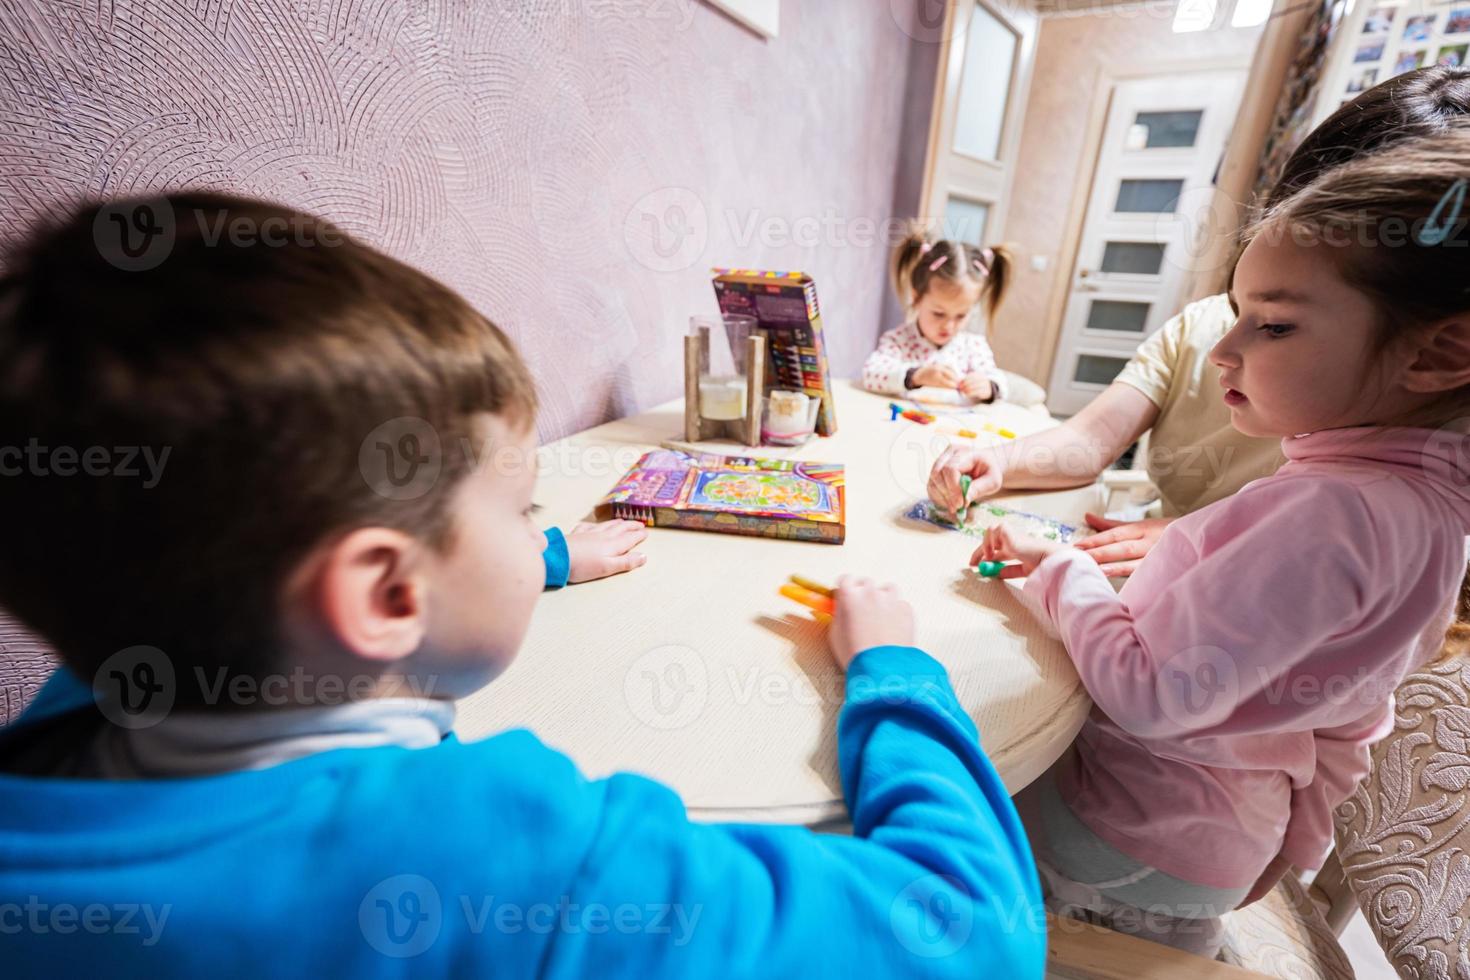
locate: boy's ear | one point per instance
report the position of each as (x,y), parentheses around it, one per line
(1443,360)
(372,594)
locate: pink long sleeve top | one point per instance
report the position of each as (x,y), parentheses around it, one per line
(1242,673)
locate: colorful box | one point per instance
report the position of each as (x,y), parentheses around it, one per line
(770,498)
(784,305)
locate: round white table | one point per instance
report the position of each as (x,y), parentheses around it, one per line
(694,671)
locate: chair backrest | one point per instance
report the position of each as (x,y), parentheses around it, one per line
(25,663)
(1404,836)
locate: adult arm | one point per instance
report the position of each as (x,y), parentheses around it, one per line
(1073,454)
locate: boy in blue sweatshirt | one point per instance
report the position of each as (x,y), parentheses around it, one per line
(250,766)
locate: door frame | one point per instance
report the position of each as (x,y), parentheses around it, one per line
(936,189)
(1097,120)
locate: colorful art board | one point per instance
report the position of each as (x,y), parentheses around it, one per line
(985,515)
(785,307)
(773,498)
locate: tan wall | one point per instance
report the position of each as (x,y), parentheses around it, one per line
(1076,58)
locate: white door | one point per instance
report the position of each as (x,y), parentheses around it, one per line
(1153,184)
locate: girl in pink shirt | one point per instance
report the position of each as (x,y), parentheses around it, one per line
(1242,673)
(941,284)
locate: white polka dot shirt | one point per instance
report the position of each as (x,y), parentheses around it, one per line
(904,348)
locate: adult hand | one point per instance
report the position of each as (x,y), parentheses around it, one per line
(1119,546)
(982,466)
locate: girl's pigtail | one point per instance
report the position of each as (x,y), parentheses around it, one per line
(914,246)
(999,266)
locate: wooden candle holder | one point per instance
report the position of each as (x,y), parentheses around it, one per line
(697,428)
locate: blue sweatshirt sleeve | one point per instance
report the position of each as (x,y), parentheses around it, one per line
(558,560)
(937,879)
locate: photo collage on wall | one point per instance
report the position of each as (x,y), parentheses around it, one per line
(1395,40)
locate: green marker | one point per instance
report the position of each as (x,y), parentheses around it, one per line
(962,513)
(990,569)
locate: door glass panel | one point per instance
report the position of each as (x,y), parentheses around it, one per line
(985,88)
(1093,369)
(1161,130)
(1148,196)
(1133,258)
(1110,314)
(965,221)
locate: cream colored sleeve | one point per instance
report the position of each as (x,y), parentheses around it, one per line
(1152,369)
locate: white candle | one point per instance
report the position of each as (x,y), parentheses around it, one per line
(722,399)
(788,412)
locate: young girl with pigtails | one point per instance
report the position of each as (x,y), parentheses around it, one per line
(941,284)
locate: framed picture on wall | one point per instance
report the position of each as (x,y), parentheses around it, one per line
(1452,55)
(1371,51)
(1379,21)
(1419,28)
(1459,21)
(761,16)
(1408,61)
(1362,81)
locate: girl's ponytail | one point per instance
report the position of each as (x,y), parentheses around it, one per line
(906,255)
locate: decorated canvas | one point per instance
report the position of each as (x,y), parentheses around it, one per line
(774,498)
(983,515)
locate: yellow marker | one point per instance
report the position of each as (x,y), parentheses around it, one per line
(811,586)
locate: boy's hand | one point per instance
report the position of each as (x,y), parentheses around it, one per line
(600,550)
(1121,545)
(977,386)
(936,376)
(867,615)
(982,466)
(1002,545)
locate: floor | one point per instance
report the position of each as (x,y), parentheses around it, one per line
(1367,959)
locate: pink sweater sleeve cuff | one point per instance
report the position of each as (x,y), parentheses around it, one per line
(1059,572)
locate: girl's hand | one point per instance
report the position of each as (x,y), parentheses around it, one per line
(936,376)
(600,550)
(866,615)
(977,386)
(1121,545)
(1002,545)
(982,466)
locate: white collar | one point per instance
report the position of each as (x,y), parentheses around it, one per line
(201,743)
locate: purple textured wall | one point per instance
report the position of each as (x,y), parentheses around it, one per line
(573,167)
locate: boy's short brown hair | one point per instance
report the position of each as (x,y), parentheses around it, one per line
(260,349)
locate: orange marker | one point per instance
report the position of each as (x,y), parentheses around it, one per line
(812,600)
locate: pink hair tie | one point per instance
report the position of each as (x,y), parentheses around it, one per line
(934,266)
(986,260)
(925,248)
